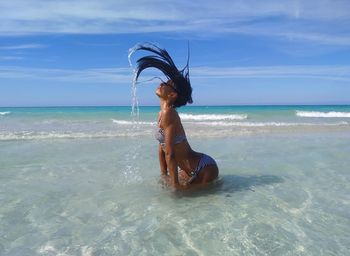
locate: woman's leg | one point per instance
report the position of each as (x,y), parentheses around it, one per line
(208,174)
(183,177)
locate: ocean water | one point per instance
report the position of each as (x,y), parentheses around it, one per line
(85,181)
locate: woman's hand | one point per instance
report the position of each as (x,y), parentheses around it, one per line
(162,161)
(166,181)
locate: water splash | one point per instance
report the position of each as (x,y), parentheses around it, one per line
(135,111)
(132,171)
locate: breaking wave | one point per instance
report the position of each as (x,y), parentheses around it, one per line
(268,124)
(65,135)
(124,122)
(323,114)
(213,117)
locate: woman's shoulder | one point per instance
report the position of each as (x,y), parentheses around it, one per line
(169,115)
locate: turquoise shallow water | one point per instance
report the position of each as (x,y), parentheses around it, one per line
(84,183)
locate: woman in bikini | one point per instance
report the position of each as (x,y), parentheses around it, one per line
(180,165)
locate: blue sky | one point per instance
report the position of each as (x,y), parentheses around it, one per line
(64,53)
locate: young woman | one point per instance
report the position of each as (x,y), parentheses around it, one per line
(179,164)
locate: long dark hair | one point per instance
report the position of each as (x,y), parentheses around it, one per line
(163,62)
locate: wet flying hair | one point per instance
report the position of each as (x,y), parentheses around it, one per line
(162,61)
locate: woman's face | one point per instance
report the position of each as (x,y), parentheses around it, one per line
(164,89)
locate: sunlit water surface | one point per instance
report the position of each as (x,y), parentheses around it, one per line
(280,192)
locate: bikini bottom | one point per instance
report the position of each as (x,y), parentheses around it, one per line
(204,161)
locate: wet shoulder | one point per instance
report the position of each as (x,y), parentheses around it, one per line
(169,116)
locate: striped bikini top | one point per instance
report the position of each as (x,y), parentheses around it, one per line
(160,136)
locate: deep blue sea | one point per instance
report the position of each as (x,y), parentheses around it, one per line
(85,181)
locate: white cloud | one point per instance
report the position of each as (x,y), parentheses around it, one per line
(122,76)
(22,46)
(108,75)
(312,72)
(11,58)
(312,20)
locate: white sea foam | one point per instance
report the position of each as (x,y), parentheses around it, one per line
(266,124)
(322,114)
(5,113)
(124,122)
(208,129)
(213,117)
(221,123)
(6,136)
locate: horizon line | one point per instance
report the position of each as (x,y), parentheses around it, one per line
(222,105)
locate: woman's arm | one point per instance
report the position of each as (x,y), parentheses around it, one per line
(162,161)
(161,156)
(168,122)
